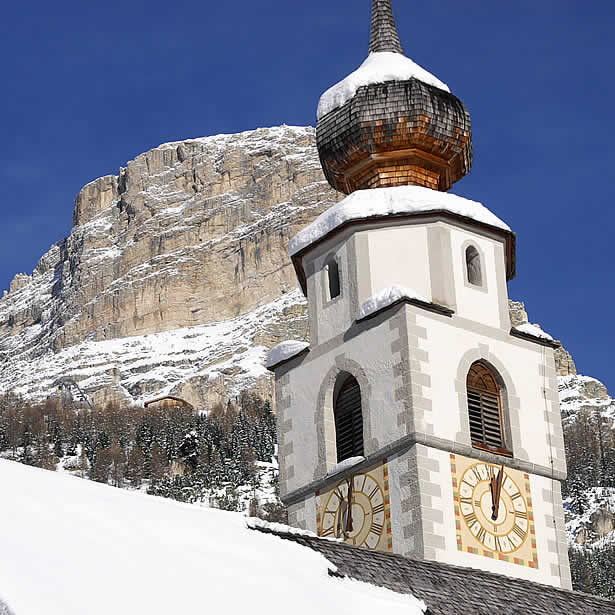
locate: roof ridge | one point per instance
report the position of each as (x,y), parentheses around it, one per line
(384,35)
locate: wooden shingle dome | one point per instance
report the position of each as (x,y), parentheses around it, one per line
(391,123)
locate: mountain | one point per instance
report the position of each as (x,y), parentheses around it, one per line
(102,550)
(188,241)
(175,278)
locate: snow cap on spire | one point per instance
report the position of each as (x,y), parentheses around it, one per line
(384,31)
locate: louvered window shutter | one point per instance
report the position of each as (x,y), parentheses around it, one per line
(349,421)
(484,407)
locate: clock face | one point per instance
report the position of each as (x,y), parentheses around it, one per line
(493,510)
(356,509)
(503,530)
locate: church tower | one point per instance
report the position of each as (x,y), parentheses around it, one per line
(417,421)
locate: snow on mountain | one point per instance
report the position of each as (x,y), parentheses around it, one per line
(71,546)
(191,233)
(578,392)
(164,363)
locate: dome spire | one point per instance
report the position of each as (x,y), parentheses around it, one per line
(384,31)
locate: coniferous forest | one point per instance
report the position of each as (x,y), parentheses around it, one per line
(225,457)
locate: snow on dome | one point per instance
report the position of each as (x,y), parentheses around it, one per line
(385,298)
(390,201)
(534,331)
(379,67)
(285,351)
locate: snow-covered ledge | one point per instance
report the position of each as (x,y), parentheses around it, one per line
(396,201)
(342,466)
(393,295)
(535,334)
(285,352)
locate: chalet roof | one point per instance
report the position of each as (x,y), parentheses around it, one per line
(384,31)
(447,589)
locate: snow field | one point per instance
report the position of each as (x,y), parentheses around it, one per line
(71,546)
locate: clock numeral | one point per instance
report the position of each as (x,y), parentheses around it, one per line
(327,532)
(519,532)
(516,496)
(471,519)
(476,475)
(376,529)
(330,512)
(498,543)
(363,485)
(375,490)
(481,534)
(378,509)
(521,514)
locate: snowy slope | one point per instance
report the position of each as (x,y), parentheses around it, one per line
(71,547)
(157,364)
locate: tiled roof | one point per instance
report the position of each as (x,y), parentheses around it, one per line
(384,31)
(450,590)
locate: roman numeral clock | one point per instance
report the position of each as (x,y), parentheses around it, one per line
(356,509)
(493,511)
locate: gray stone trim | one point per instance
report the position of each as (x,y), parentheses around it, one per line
(324,280)
(484,287)
(552,412)
(402,371)
(449,446)
(285,426)
(297,515)
(411,506)
(313,309)
(324,419)
(441,275)
(502,292)
(353,281)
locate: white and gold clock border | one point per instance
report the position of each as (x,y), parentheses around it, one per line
(511,536)
(370,509)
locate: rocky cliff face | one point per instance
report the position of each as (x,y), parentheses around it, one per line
(189,234)
(175,278)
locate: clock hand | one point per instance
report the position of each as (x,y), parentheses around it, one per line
(348,527)
(496,493)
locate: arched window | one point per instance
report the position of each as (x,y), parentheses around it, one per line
(485,407)
(348,419)
(473,266)
(333,274)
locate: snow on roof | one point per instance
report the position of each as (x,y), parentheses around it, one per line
(285,351)
(534,331)
(66,541)
(379,67)
(399,200)
(387,297)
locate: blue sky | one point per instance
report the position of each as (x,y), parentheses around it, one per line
(88,86)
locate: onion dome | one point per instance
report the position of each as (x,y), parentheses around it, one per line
(392,123)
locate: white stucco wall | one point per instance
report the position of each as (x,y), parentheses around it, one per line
(398,255)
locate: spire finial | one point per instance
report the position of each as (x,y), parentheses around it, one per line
(384,31)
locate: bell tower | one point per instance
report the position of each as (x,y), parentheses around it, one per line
(417,421)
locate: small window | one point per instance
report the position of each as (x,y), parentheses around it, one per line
(475,274)
(348,420)
(333,274)
(485,408)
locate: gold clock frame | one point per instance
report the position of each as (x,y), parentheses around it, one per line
(467,543)
(379,473)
